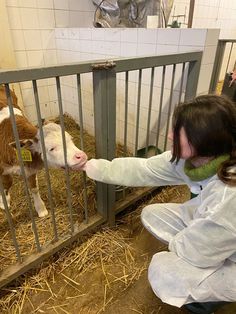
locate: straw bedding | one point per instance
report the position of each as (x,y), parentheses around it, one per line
(69,276)
(108,259)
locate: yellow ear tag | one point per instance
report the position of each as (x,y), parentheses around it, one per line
(25,154)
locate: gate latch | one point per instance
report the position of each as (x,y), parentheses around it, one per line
(104,65)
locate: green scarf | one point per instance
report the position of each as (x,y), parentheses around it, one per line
(205,171)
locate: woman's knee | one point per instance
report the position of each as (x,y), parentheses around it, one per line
(148,212)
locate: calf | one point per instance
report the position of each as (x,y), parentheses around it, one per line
(30,140)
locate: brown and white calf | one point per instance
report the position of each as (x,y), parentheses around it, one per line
(30,140)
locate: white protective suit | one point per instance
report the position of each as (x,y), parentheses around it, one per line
(200,265)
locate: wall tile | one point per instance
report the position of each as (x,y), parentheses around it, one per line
(204,79)
(18,40)
(28,97)
(192,37)
(168,36)
(32,39)
(29,18)
(147,36)
(61,4)
(98,34)
(31,114)
(63,44)
(209,54)
(85,33)
(73,33)
(86,46)
(27,3)
(35,58)
(146,49)
(12,3)
(128,49)
(46,18)
(50,57)
(129,35)
(61,18)
(166,49)
(21,59)
(61,33)
(45,4)
(112,34)
(48,39)
(14,18)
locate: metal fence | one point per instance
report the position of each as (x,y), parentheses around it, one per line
(225,62)
(176,73)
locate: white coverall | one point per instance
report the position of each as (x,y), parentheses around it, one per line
(200,265)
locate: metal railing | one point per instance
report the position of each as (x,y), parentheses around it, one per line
(223,59)
(105,102)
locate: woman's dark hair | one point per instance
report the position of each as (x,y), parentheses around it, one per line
(209,122)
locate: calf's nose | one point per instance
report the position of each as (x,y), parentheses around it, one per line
(80,155)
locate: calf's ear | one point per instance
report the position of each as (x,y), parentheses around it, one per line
(26,143)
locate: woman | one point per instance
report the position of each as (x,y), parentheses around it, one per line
(199,269)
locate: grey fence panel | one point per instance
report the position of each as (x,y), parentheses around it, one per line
(40,124)
(160,107)
(68,190)
(149,109)
(138,112)
(220,54)
(104,92)
(105,124)
(81,123)
(10,222)
(26,186)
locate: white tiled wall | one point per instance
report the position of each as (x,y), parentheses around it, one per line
(80,44)
(45,32)
(209,14)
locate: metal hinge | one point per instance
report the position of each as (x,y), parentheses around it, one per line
(104,65)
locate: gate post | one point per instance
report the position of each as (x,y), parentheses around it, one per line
(217,65)
(192,78)
(104,93)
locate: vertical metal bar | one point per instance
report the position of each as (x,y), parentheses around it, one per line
(51,204)
(170,105)
(181,82)
(192,79)
(68,188)
(138,111)
(16,135)
(104,85)
(10,222)
(230,53)
(126,111)
(217,65)
(190,13)
(160,106)
(81,124)
(149,110)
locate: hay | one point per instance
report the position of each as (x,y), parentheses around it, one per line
(19,205)
(103,250)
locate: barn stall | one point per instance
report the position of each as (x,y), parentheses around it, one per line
(76,204)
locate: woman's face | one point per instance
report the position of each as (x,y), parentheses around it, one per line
(187,151)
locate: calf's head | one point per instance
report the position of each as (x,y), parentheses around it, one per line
(54,148)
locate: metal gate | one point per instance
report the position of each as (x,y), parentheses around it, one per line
(172,77)
(225,61)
